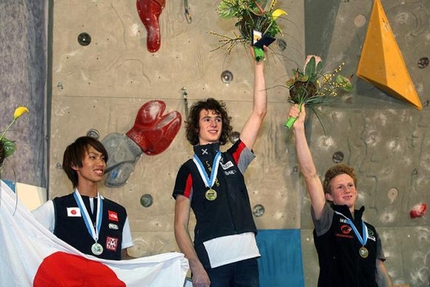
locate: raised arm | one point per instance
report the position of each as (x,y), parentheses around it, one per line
(306,162)
(253,124)
(182,214)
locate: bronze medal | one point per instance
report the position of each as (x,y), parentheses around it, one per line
(363,252)
(211,194)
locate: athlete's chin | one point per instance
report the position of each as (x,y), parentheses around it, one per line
(348,203)
(213,140)
(97,178)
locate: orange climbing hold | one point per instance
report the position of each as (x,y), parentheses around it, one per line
(381,61)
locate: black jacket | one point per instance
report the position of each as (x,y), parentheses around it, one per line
(230,213)
(73,230)
(338,252)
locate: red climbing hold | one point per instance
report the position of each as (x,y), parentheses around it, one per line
(149,12)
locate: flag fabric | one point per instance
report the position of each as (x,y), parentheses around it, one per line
(30,255)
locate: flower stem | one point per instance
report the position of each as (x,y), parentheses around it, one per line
(8,127)
(259,6)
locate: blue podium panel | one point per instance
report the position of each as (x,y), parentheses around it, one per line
(280,264)
(11,184)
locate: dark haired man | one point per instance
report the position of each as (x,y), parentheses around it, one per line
(224,252)
(84,219)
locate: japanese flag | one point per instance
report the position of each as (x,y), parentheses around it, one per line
(30,255)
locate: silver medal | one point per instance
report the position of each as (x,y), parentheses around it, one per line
(97,248)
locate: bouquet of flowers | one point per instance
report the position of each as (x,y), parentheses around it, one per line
(312,87)
(7,147)
(250,17)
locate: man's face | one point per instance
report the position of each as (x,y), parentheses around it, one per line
(343,191)
(210,127)
(93,166)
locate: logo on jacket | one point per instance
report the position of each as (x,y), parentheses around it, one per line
(371,235)
(113,216)
(230,172)
(227,165)
(113,226)
(111,243)
(346,229)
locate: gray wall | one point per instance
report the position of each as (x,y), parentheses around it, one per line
(101,86)
(23,83)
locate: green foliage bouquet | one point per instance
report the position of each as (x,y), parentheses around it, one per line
(250,16)
(7,147)
(313,87)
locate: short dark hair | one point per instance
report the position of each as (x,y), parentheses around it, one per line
(75,153)
(335,171)
(192,128)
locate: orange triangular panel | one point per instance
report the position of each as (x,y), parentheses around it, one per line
(381,61)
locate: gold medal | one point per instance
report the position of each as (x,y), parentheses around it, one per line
(211,194)
(97,248)
(363,252)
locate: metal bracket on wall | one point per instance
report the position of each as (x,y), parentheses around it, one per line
(187,12)
(184,97)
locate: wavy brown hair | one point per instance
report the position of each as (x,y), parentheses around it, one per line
(335,171)
(192,122)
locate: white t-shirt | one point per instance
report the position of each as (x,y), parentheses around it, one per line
(232,248)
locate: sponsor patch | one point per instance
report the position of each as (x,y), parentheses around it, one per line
(343,235)
(113,216)
(111,243)
(113,226)
(230,172)
(73,212)
(371,235)
(346,229)
(227,165)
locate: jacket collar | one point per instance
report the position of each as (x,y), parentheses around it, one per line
(358,213)
(207,150)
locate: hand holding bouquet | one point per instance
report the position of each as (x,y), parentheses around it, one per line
(312,87)
(252,20)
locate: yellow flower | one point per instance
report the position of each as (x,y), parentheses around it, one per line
(19,111)
(277,13)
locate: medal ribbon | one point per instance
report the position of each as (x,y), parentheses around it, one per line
(209,182)
(363,240)
(94,232)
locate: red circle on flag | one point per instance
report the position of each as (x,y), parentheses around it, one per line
(63,269)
